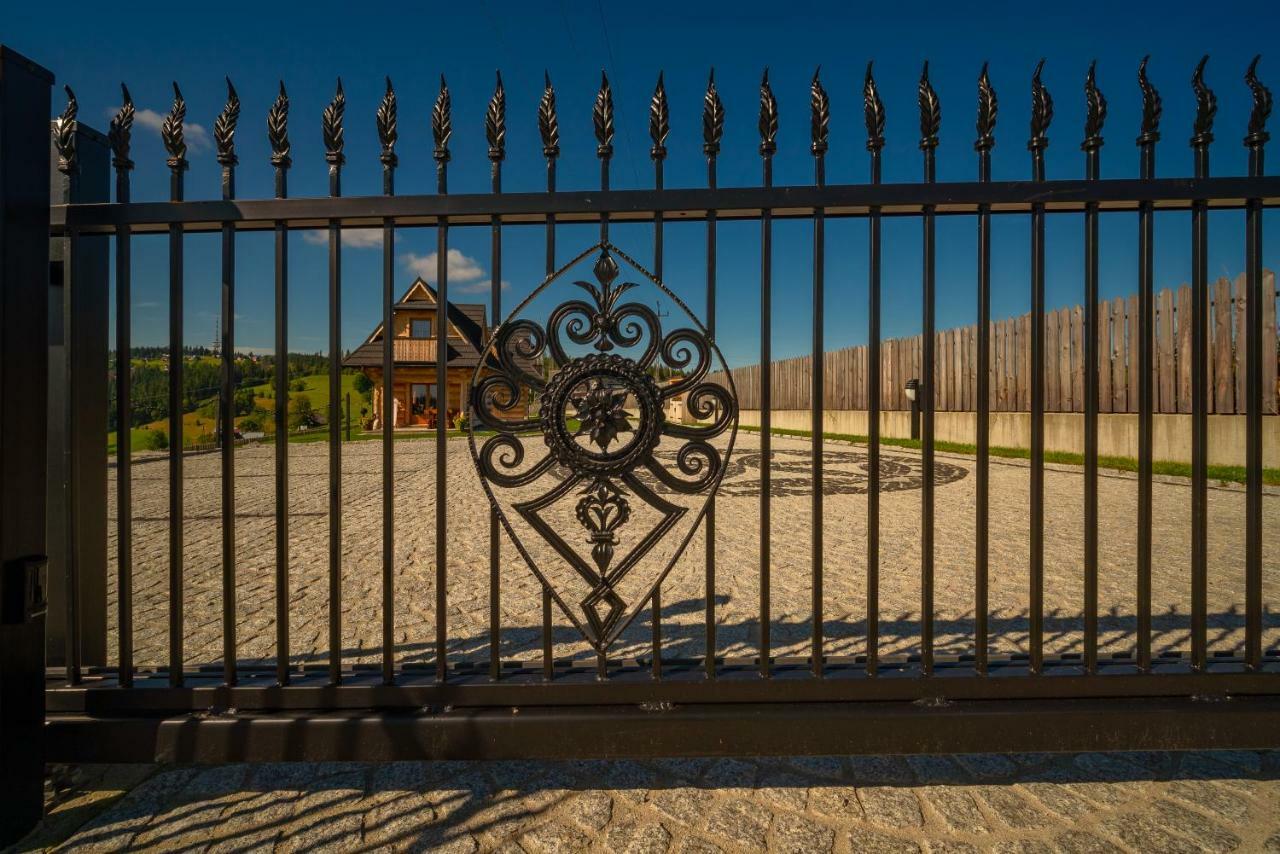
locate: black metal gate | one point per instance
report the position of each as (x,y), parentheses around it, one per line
(566,398)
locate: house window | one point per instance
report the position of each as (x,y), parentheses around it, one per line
(420,328)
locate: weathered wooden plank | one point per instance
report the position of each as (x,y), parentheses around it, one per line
(1165,378)
(958,368)
(1119,370)
(1223,350)
(1063,359)
(1103,345)
(1242,342)
(1053,388)
(1131,322)
(1183,357)
(1270,401)
(1077,359)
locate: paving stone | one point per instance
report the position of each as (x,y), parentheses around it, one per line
(1272,843)
(878,770)
(819,766)
(950,846)
(989,766)
(393,817)
(936,769)
(697,845)
(731,774)
(553,837)
(1211,796)
(688,768)
(741,822)
(891,807)
(1012,808)
(1146,834)
(795,834)
(1112,767)
(783,789)
(687,806)
(868,841)
(638,837)
(1060,799)
(1022,846)
(323,820)
(1208,833)
(836,802)
(591,810)
(956,807)
(1084,842)
(216,781)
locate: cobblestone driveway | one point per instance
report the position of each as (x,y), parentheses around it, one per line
(737,589)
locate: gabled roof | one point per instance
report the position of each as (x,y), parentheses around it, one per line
(467,323)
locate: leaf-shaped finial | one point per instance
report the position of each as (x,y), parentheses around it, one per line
(712,118)
(1206,106)
(1041,111)
(1095,111)
(819,115)
(930,111)
(873,112)
(331,127)
(171,131)
(548,123)
(602,118)
(121,130)
(1151,107)
(659,120)
(278,130)
(64,135)
(987,107)
(768,123)
(386,121)
(442,122)
(224,128)
(495,122)
(1258,135)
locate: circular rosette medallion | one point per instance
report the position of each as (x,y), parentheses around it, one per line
(600,437)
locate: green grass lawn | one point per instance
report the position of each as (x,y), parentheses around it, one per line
(1225,474)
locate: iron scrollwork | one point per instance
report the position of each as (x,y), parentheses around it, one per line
(601,414)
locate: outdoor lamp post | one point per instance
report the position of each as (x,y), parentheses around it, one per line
(912,385)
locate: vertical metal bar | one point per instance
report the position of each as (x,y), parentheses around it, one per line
(712,130)
(1206,107)
(120,131)
(224,134)
(1092,145)
(496,131)
(987,106)
(1146,343)
(1041,115)
(659,126)
(1255,142)
(387,135)
(442,126)
(549,130)
(874,114)
(818,147)
(602,119)
(277,132)
(768,145)
(172,135)
(331,126)
(930,119)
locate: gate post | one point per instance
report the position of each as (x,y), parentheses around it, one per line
(24,277)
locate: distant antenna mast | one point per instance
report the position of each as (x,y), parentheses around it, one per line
(217,336)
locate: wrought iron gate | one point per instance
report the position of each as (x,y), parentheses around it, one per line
(612,455)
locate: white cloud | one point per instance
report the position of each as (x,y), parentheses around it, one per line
(481,287)
(197,136)
(352,238)
(461,268)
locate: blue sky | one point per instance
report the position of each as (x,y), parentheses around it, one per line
(94,46)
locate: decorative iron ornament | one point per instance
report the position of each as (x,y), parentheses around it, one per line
(1041,111)
(930,111)
(387,133)
(64,135)
(873,112)
(495,122)
(1206,107)
(442,122)
(659,120)
(120,131)
(819,115)
(171,131)
(278,130)
(601,417)
(1258,135)
(548,123)
(768,123)
(1151,107)
(224,128)
(1095,111)
(712,118)
(331,127)
(987,108)
(602,118)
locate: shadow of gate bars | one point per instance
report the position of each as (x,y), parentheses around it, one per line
(651,704)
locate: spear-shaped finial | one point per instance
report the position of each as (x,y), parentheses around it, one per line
(602,118)
(819,115)
(548,123)
(224,128)
(768,123)
(712,118)
(331,127)
(1206,107)
(987,108)
(387,133)
(1258,135)
(873,112)
(1041,111)
(121,130)
(64,135)
(659,120)
(278,130)
(442,122)
(930,111)
(171,131)
(1151,107)
(1095,111)
(495,122)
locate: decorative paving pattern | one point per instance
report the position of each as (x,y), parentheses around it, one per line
(1015,804)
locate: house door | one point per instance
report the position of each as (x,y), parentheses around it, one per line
(420,403)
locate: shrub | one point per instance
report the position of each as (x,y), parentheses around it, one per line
(155,440)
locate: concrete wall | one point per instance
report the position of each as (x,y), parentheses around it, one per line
(1063,431)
